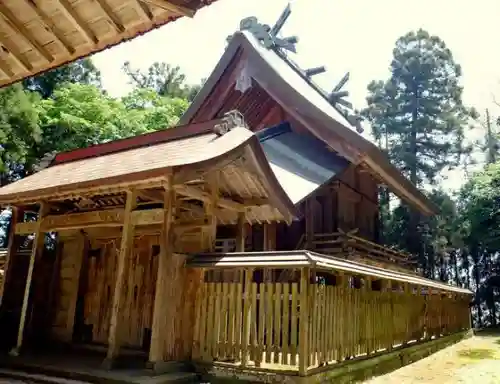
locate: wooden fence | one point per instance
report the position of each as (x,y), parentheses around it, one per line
(306,323)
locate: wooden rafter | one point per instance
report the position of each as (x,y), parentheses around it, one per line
(47,23)
(20,29)
(155,196)
(143,10)
(6,69)
(174,8)
(77,21)
(112,17)
(16,54)
(198,194)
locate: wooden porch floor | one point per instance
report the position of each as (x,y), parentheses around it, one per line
(85,366)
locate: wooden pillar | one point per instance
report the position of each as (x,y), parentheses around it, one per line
(160,330)
(11,247)
(36,249)
(240,233)
(304,322)
(309,221)
(127,242)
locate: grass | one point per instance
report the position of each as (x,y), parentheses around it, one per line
(474,360)
(478,353)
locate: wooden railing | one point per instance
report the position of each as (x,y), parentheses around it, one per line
(302,325)
(350,246)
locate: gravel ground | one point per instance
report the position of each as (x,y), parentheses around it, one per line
(472,361)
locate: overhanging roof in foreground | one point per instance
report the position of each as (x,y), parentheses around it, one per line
(303,258)
(39,35)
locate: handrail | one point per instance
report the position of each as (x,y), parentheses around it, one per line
(351,245)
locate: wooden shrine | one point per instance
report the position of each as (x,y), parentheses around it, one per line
(243,241)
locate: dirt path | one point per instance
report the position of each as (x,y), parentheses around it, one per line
(472,361)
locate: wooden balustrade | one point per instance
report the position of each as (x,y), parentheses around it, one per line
(347,244)
(344,317)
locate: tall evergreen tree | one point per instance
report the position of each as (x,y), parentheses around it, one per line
(419,115)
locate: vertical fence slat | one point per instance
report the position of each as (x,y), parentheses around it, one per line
(246,317)
(261,330)
(223,321)
(239,319)
(277,324)
(285,324)
(232,318)
(253,322)
(293,326)
(304,322)
(269,321)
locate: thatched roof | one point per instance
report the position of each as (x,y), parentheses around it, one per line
(37,35)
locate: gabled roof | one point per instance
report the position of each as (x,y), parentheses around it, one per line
(40,35)
(300,162)
(303,101)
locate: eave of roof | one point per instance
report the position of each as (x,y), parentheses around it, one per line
(238,141)
(48,34)
(304,258)
(311,109)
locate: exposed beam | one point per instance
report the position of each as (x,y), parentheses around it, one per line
(77,21)
(4,67)
(93,219)
(155,196)
(20,29)
(113,18)
(16,55)
(198,194)
(143,10)
(47,23)
(174,8)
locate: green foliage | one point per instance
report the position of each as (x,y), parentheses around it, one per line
(81,71)
(417,115)
(480,208)
(163,78)
(20,129)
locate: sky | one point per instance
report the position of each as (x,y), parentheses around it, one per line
(344,35)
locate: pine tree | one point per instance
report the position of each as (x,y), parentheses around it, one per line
(419,115)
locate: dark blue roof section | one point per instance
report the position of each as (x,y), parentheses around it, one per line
(300,162)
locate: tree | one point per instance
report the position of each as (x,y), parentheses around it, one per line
(419,111)
(20,129)
(81,71)
(165,79)
(419,116)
